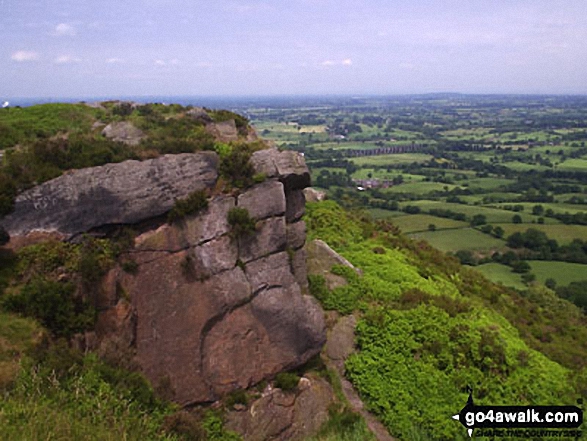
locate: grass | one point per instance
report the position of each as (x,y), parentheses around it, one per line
(420,188)
(573,164)
(399,158)
(556,207)
(419,222)
(17,336)
(459,239)
(563,234)
(380,213)
(498,273)
(493,215)
(563,272)
(381,173)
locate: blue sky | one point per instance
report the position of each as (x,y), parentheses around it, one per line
(81,48)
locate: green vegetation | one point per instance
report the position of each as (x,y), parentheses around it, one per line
(287,381)
(430,160)
(192,204)
(39,143)
(241,223)
(430,328)
(235,165)
(58,394)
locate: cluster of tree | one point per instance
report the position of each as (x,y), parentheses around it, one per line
(535,244)
(349,166)
(326,179)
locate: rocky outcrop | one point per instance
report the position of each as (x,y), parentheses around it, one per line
(320,260)
(123,131)
(280,415)
(123,193)
(224,131)
(208,313)
(313,195)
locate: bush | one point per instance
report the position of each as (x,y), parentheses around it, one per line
(236,167)
(195,202)
(241,222)
(54,305)
(286,381)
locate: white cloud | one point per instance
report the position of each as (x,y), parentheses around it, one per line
(25,56)
(408,66)
(66,59)
(160,62)
(345,62)
(63,29)
(174,61)
(114,61)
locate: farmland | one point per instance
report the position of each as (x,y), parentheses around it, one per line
(463,173)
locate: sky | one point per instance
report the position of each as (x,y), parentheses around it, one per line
(116,48)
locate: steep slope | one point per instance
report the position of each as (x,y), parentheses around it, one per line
(428,329)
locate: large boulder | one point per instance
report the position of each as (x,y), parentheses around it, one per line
(123,193)
(123,131)
(279,415)
(215,312)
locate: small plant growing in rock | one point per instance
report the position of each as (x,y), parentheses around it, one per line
(259,177)
(286,381)
(195,202)
(241,222)
(238,396)
(130,267)
(235,166)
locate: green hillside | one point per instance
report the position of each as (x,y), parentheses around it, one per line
(430,328)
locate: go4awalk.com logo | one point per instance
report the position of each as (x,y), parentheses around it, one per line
(538,421)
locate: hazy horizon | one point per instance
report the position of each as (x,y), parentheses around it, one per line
(66,49)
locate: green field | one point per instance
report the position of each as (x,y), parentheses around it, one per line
(420,188)
(380,213)
(493,215)
(412,223)
(573,164)
(398,158)
(498,273)
(563,272)
(563,234)
(557,208)
(459,239)
(381,173)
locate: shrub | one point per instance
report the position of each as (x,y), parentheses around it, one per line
(236,167)
(286,381)
(192,204)
(241,222)
(238,396)
(54,305)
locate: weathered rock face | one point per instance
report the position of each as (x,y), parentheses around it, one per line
(124,132)
(123,193)
(279,415)
(224,131)
(208,313)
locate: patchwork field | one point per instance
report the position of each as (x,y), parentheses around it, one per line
(498,273)
(459,239)
(562,272)
(563,234)
(420,222)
